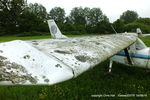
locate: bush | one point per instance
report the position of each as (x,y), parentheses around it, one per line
(33,33)
(80,28)
(145,21)
(43,27)
(133,26)
(2,32)
(68,27)
(72,33)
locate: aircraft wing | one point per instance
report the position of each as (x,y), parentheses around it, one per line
(49,61)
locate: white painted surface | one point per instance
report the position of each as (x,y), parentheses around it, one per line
(50,61)
(36,63)
(139,55)
(54,30)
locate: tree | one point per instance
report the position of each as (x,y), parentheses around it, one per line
(39,10)
(28,25)
(68,27)
(86,14)
(77,16)
(129,16)
(58,14)
(142,23)
(145,21)
(10,14)
(119,25)
(67,19)
(95,16)
(103,26)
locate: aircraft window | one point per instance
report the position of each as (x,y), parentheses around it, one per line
(140,45)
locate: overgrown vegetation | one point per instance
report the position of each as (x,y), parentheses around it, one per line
(143,23)
(18,17)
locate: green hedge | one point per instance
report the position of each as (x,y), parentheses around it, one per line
(33,33)
(132,27)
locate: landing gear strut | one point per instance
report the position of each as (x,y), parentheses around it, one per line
(109,73)
(110,65)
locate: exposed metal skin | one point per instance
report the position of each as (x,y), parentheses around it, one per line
(50,61)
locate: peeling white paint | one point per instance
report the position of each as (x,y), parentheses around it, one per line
(50,61)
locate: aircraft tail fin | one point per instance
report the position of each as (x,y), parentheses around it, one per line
(54,30)
(139,32)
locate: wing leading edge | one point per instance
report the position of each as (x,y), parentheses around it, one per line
(50,61)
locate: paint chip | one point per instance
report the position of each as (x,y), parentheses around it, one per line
(58,65)
(1,51)
(26,57)
(97,43)
(2,58)
(82,58)
(43,76)
(19,75)
(35,43)
(46,80)
(1,63)
(62,52)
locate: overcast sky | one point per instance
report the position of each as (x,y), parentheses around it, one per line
(111,8)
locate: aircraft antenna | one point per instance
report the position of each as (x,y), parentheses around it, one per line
(113,29)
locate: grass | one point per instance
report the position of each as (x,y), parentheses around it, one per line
(126,80)
(146,41)
(10,38)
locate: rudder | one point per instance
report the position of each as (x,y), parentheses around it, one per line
(54,30)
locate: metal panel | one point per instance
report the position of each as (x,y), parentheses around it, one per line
(50,61)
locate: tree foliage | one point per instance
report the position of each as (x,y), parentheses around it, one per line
(95,16)
(39,10)
(86,16)
(129,16)
(143,23)
(88,19)
(78,16)
(119,26)
(58,14)
(32,25)
(10,13)
(103,26)
(16,16)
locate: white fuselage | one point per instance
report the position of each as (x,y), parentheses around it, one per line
(140,57)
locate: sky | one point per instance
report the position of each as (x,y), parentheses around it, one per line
(111,8)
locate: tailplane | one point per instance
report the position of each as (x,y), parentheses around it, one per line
(54,30)
(139,32)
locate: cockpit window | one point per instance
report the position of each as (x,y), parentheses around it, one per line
(140,45)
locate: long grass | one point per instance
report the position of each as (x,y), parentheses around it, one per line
(126,80)
(10,38)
